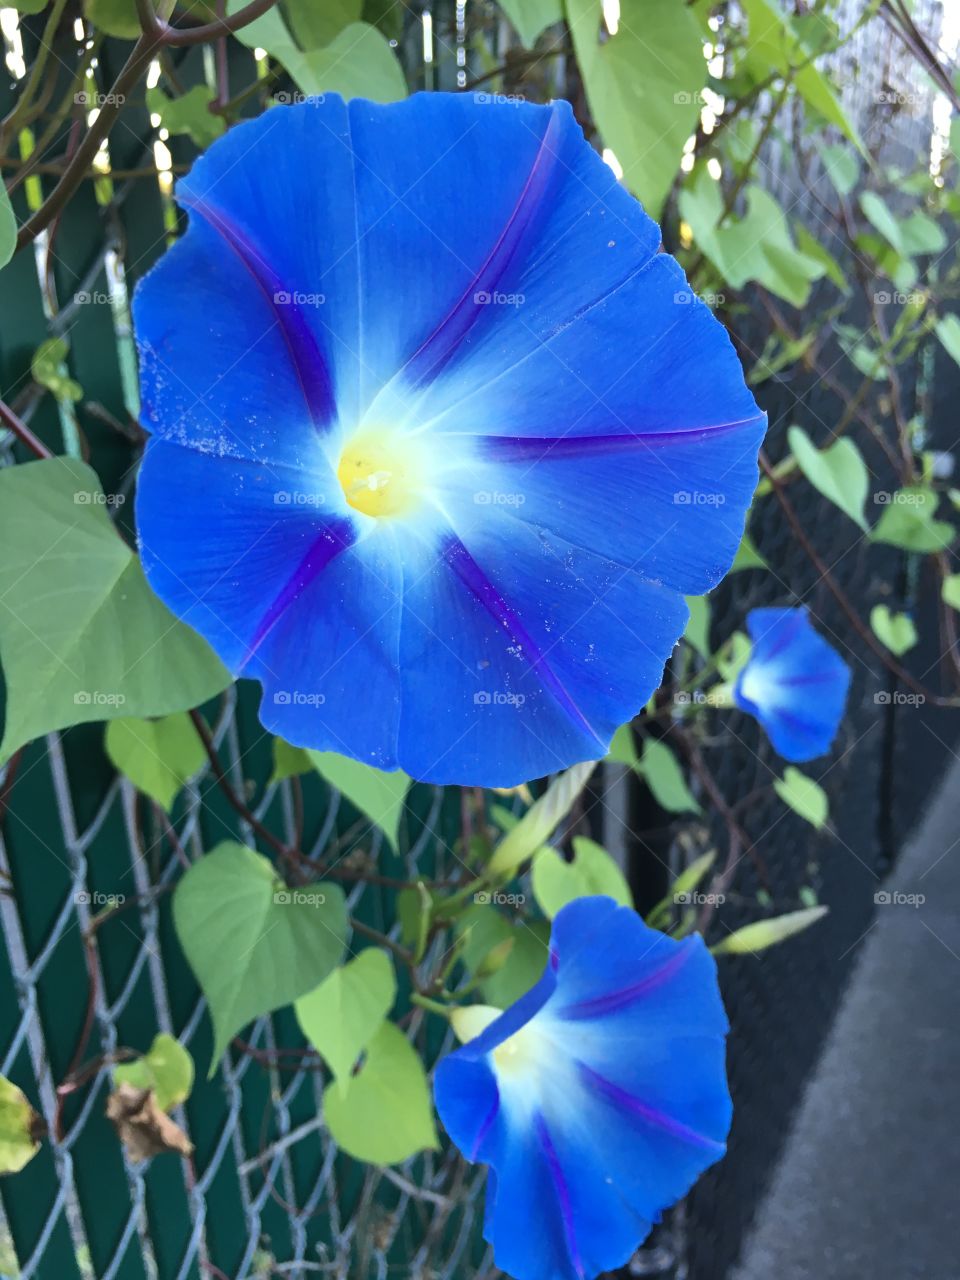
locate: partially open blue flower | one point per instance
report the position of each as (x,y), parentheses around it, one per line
(597,1099)
(793,682)
(439,439)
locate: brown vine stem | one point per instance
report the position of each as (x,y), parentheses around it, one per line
(23,433)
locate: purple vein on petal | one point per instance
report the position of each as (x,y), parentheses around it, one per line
(542,448)
(485,1127)
(477,582)
(563,1192)
(613,1001)
(436,350)
(308,362)
(626,1101)
(330,542)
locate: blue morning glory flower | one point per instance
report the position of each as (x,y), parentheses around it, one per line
(439,439)
(597,1099)
(793,682)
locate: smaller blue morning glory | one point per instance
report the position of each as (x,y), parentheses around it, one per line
(794,683)
(597,1099)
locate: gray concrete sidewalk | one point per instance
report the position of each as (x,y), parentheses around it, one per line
(869,1187)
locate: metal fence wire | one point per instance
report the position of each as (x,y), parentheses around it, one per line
(266,1193)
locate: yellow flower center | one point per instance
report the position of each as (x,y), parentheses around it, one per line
(382,473)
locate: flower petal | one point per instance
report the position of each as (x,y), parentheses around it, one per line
(284,591)
(520,654)
(597,1099)
(794,682)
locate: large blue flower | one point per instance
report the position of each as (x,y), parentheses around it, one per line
(793,682)
(439,439)
(597,1099)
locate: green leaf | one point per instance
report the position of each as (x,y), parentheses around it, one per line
(895,630)
(82,636)
(48,368)
(8,227)
(643,87)
(747,557)
(921,235)
(908,522)
(30,6)
(838,472)
(878,214)
(697,633)
(733,656)
(775,45)
(316,25)
(379,796)
(804,796)
(757,246)
(345,1012)
(557,882)
(541,820)
(19,1128)
(509,958)
(950,590)
(114,17)
(812,248)
(686,882)
(530,17)
(384,1114)
(468,1021)
(947,330)
(158,756)
(841,166)
(623,748)
(189,114)
(357,63)
(767,933)
(664,777)
(166,1068)
(253,944)
(289,761)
